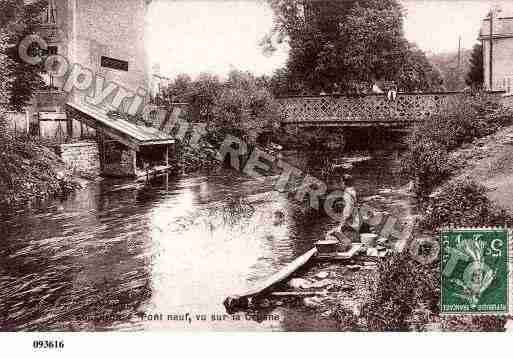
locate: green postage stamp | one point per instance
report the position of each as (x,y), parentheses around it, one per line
(474,271)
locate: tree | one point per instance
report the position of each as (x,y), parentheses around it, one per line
(282,83)
(245,106)
(18,79)
(416,72)
(347,45)
(241,105)
(178,90)
(452,67)
(202,97)
(475,76)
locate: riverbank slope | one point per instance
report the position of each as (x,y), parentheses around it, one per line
(488,161)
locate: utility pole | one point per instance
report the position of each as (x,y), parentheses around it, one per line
(459,54)
(491,50)
(459,62)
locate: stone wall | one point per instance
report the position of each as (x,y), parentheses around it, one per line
(81,156)
(120,161)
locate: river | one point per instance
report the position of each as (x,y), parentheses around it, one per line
(164,255)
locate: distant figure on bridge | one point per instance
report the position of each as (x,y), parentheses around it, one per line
(391,91)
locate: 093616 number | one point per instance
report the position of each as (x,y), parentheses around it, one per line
(48,344)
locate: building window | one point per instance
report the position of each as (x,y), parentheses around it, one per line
(115,64)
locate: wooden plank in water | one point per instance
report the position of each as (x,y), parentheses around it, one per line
(297,294)
(281,275)
(342,255)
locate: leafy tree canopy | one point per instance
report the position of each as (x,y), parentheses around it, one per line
(18,80)
(345,46)
(241,103)
(475,76)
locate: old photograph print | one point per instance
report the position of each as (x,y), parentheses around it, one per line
(266,165)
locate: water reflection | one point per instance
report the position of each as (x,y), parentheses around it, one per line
(76,265)
(116,250)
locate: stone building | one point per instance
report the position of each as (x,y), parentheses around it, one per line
(498,73)
(107,37)
(103,43)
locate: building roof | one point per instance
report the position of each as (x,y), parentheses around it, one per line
(126,132)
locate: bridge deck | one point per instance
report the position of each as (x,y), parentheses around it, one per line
(349,123)
(365,110)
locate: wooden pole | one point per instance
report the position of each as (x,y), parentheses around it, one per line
(134,162)
(491,51)
(459,55)
(101,148)
(166,155)
(27,121)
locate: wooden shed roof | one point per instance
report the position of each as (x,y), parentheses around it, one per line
(124,131)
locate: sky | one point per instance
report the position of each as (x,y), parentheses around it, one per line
(191,36)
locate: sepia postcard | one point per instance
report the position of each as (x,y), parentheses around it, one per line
(255,166)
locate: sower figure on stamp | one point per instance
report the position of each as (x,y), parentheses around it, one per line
(349,229)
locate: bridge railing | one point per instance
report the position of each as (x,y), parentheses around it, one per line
(364,109)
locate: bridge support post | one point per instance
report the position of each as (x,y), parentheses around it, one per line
(100,138)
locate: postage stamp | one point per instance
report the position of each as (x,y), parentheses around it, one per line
(474,271)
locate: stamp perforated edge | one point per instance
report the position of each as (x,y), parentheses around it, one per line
(509,304)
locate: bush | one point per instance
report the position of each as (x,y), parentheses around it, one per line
(241,104)
(426,163)
(407,295)
(189,159)
(472,323)
(460,121)
(461,203)
(201,95)
(29,171)
(250,110)
(403,286)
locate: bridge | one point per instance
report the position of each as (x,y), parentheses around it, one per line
(370,110)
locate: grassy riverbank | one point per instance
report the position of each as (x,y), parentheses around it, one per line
(30,171)
(462,167)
